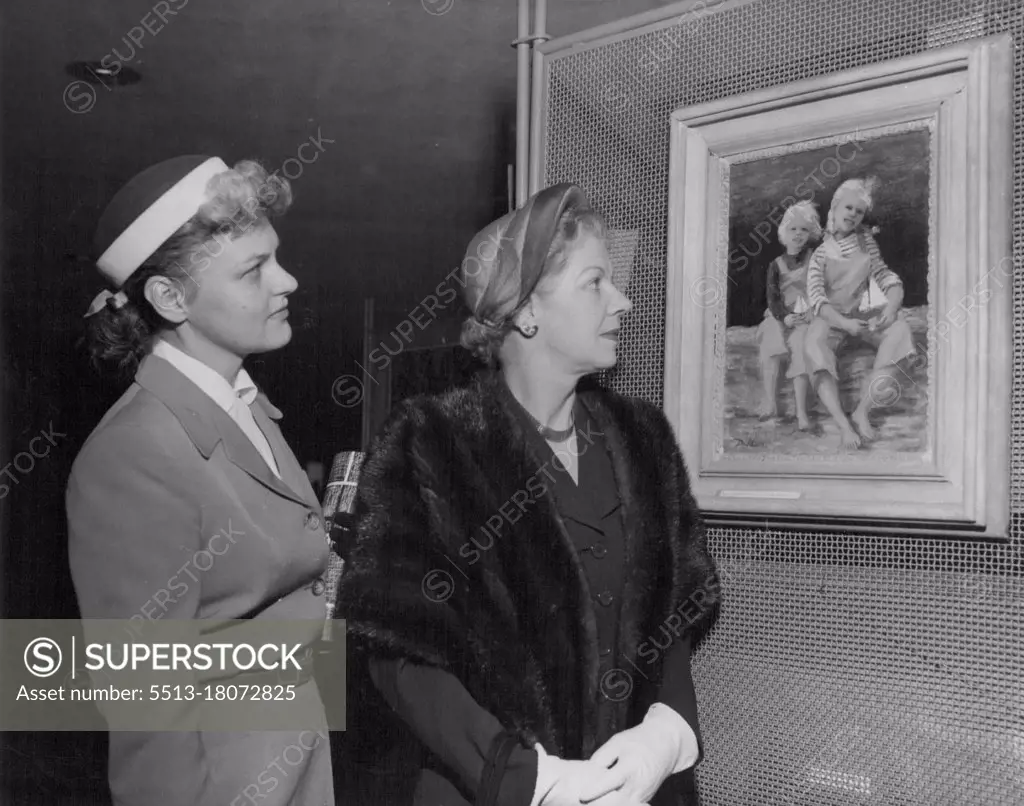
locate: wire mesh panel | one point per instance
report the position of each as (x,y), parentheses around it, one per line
(844,669)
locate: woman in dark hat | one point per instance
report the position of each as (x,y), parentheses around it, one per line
(185,502)
(530,567)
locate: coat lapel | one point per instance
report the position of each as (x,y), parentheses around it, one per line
(590,500)
(597,496)
(208,425)
(265,414)
(648,554)
(563,570)
(642,532)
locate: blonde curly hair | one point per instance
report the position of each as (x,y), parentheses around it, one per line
(804,211)
(864,189)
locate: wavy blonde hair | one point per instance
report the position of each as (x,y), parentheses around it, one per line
(864,189)
(805,211)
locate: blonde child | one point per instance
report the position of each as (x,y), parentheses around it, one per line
(838,289)
(783,330)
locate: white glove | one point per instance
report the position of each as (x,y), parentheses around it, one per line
(642,757)
(560,781)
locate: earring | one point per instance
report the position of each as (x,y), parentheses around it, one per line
(529,330)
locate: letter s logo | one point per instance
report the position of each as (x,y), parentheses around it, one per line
(43,657)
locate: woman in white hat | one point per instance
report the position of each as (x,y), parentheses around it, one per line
(185,502)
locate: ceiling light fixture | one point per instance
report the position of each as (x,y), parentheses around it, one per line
(96,73)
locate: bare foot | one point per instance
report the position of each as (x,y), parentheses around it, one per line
(803,423)
(848,437)
(767,411)
(860,420)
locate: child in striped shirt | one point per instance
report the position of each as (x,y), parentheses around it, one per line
(838,284)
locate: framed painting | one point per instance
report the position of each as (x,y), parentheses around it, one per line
(839,334)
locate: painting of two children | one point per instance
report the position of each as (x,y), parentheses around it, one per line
(833,360)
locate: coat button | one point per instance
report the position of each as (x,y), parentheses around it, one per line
(605,598)
(313,522)
(599,550)
(318,587)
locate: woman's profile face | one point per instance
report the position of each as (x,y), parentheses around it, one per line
(239,302)
(578,311)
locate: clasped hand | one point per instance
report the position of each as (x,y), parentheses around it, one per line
(574,778)
(886,317)
(626,771)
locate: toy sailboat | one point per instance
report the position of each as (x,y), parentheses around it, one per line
(873,299)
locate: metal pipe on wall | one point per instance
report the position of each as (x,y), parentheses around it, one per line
(540,21)
(523,46)
(367,402)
